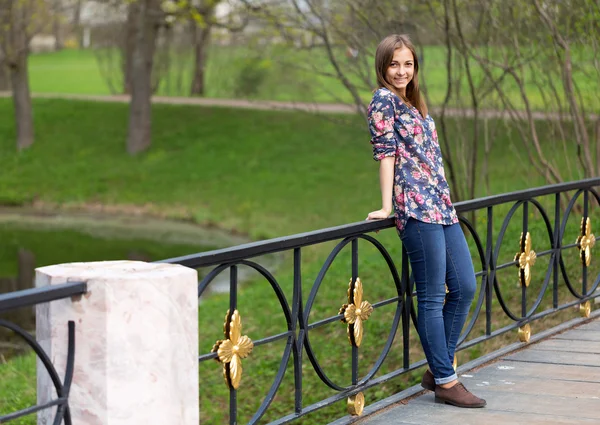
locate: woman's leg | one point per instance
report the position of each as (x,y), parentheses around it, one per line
(462,284)
(426,247)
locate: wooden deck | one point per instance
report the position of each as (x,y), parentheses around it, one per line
(554,381)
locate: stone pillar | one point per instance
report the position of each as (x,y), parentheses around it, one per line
(136,343)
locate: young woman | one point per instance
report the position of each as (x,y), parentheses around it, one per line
(412,180)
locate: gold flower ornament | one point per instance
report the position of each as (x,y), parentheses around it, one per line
(525,260)
(356,312)
(233,349)
(586,241)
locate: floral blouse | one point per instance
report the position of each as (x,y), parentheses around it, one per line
(420,187)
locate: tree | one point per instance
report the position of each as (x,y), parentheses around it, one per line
(115,41)
(57,24)
(77,21)
(18,23)
(538,58)
(25,279)
(348,32)
(203,20)
(526,60)
(148,17)
(145,19)
(129,45)
(4,78)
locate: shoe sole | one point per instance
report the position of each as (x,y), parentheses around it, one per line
(472,406)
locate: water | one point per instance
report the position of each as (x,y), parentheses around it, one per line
(30,243)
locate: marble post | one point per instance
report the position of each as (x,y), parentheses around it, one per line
(136,343)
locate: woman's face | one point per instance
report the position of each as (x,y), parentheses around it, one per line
(401,70)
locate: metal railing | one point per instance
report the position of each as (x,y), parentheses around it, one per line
(297,311)
(29,298)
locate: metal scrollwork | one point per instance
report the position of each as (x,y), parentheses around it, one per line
(233,349)
(356,312)
(525,259)
(586,241)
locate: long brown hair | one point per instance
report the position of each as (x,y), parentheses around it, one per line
(383,58)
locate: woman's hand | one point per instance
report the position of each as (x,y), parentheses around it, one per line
(379,214)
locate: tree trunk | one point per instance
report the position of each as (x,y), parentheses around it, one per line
(58,42)
(26,276)
(77,23)
(129,45)
(161,70)
(4,79)
(201,44)
(19,77)
(146,31)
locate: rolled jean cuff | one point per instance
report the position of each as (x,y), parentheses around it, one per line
(440,381)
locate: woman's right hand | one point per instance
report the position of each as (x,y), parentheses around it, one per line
(379,214)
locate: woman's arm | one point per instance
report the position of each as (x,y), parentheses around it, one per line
(381,118)
(386,181)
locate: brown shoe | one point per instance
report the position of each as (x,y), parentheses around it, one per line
(458,396)
(428,381)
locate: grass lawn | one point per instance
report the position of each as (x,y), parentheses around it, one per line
(275,73)
(266,174)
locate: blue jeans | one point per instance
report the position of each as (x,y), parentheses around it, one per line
(439,255)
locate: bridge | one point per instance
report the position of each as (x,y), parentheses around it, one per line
(555,380)
(524,287)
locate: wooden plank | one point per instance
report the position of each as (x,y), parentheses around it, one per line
(555,357)
(531,403)
(579,335)
(430,413)
(573,346)
(592,326)
(485,380)
(506,369)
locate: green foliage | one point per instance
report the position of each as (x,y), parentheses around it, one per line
(253,73)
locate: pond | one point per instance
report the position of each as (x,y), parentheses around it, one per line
(30,239)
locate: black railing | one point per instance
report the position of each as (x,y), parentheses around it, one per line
(29,298)
(296,312)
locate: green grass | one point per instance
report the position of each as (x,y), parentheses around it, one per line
(18,387)
(266,174)
(276,73)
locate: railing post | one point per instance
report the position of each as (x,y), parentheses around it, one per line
(297,308)
(491,271)
(136,343)
(354,277)
(557,250)
(525,232)
(584,269)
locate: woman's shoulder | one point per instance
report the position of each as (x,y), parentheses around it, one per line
(383,98)
(383,94)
